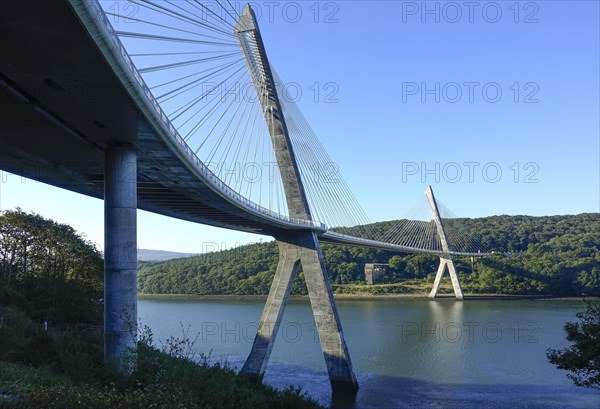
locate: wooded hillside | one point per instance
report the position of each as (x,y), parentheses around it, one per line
(557,255)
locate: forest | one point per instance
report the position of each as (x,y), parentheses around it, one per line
(548,255)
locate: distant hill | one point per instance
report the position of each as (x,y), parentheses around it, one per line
(160,255)
(557,255)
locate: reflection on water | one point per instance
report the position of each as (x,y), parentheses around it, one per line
(407,354)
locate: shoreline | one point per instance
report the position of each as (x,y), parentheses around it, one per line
(350,297)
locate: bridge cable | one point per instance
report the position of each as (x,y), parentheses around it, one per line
(161,25)
(182,17)
(188,86)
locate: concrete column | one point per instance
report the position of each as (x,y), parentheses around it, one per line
(303,248)
(120,251)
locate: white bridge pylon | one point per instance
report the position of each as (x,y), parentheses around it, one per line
(446,259)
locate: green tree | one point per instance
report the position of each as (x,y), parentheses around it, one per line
(583,357)
(53,268)
(348,272)
(397,263)
(419,265)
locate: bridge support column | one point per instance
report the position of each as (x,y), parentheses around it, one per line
(447,262)
(120,251)
(303,250)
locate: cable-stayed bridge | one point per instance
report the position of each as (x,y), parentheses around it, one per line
(181,113)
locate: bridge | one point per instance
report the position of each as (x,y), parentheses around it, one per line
(78,113)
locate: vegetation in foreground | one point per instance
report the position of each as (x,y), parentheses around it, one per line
(582,357)
(51,337)
(69,373)
(551,255)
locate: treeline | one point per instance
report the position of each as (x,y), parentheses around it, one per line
(48,270)
(558,255)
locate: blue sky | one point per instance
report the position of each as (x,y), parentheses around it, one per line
(496,105)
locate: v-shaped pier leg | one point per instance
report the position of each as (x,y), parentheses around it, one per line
(303,249)
(287,270)
(447,262)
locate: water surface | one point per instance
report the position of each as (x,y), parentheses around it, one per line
(407,354)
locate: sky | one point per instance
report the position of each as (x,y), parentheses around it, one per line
(494,104)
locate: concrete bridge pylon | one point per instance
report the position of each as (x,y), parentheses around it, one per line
(297,249)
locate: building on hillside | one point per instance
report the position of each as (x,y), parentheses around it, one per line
(374,272)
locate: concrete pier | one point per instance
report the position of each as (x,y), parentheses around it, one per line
(120,251)
(303,250)
(287,270)
(449,263)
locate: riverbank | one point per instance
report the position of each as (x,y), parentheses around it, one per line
(353,297)
(63,367)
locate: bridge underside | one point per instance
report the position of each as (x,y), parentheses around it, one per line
(61,106)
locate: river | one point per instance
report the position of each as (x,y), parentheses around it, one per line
(406,353)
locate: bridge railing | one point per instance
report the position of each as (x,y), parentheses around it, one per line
(174,135)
